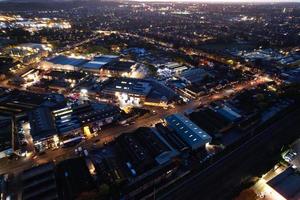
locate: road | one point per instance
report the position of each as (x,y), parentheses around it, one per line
(169,47)
(110,133)
(26,68)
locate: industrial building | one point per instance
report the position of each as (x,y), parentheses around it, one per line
(133,90)
(285,186)
(170,69)
(16,101)
(109,63)
(172,138)
(177,68)
(229,112)
(64,180)
(144,149)
(194,75)
(28,49)
(74,178)
(63,63)
(25,114)
(98,62)
(70,120)
(118,68)
(42,128)
(6,147)
(189,132)
(148,159)
(138,160)
(137,92)
(39,183)
(211,121)
(61,81)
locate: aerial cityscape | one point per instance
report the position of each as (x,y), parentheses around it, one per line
(149,100)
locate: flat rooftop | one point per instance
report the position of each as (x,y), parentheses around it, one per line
(209,120)
(287,184)
(129,86)
(70,118)
(119,66)
(66,75)
(64,60)
(16,101)
(99,61)
(39,182)
(229,113)
(193,75)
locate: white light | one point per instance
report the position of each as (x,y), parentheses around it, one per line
(83,91)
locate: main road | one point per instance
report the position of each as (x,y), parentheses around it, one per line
(109,134)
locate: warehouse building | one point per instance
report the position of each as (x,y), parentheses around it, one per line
(97,63)
(39,183)
(189,132)
(118,68)
(284,186)
(73,120)
(63,63)
(42,128)
(137,92)
(194,75)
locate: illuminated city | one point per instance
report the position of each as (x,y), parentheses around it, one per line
(149,100)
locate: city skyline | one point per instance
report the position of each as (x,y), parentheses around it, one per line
(223,1)
(175,1)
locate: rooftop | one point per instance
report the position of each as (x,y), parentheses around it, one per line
(123,66)
(64,60)
(229,113)
(210,120)
(100,61)
(5,134)
(193,75)
(39,182)
(70,118)
(287,184)
(73,178)
(61,75)
(41,123)
(145,148)
(128,85)
(189,132)
(17,101)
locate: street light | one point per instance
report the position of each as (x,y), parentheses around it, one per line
(83,92)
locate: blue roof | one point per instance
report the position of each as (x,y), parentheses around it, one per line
(189,132)
(287,184)
(99,61)
(106,58)
(94,64)
(64,60)
(229,113)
